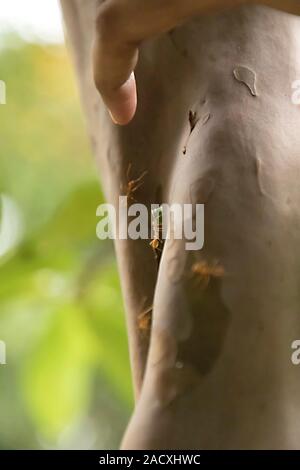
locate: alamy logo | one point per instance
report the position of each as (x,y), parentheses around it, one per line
(2,353)
(179,221)
(295,358)
(2,92)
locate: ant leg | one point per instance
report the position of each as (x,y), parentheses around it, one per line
(128,171)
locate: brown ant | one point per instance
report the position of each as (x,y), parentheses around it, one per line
(145,319)
(205,272)
(157,243)
(133,185)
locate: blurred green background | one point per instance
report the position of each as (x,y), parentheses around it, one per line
(67,381)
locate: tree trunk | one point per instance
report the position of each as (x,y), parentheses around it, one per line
(215,125)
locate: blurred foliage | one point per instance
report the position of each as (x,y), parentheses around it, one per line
(67,380)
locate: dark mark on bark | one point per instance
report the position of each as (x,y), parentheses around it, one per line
(193,119)
(181,51)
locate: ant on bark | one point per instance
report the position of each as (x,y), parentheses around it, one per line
(157,242)
(133,184)
(145,320)
(204,272)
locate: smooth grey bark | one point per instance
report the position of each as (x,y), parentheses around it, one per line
(219,372)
